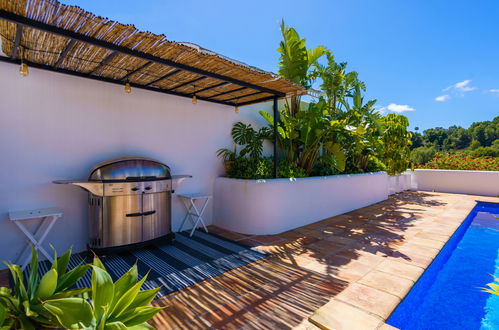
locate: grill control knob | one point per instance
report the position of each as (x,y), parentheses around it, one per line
(148,188)
(135,188)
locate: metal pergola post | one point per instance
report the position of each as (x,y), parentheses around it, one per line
(276,121)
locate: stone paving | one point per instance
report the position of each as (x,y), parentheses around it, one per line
(346,272)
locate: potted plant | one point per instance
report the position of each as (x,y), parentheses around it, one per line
(228,157)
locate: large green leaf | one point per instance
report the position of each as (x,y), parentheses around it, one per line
(72,313)
(47,285)
(124,283)
(70,293)
(71,277)
(126,299)
(140,315)
(143,326)
(115,326)
(62,263)
(102,291)
(3,313)
(144,298)
(17,276)
(33,278)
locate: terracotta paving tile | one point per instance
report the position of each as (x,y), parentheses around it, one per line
(325,246)
(228,316)
(338,315)
(400,269)
(341,240)
(372,300)
(395,285)
(267,239)
(433,236)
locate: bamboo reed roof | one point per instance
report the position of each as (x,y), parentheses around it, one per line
(49,35)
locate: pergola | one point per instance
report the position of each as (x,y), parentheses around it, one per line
(46,34)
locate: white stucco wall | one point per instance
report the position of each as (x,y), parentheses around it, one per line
(484,183)
(273,206)
(54,126)
(399,183)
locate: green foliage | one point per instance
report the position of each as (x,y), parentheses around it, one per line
(245,168)
(396,141)
(119,305)
(375,165)
(479,134)
(49,302)
(484,152)
(23,308)
(422,155)
(474,145)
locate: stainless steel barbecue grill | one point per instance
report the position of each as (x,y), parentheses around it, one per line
(129,200)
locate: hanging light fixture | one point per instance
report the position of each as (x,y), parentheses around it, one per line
(194,99)
(23,69)
(128,88)
(236,109)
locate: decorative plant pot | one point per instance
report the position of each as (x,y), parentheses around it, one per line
(228,165)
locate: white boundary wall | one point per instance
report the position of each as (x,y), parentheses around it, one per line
(277,205)
(55,126)
(484,183)
(399,183)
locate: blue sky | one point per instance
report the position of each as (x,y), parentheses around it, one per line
(434,61)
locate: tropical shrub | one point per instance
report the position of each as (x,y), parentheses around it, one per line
(422,155)
(396,142)
(23,307)
(262,168)
(462,161)
(485,152)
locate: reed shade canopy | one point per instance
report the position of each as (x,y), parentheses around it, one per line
(49,35)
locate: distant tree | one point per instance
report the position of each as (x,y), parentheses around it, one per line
(417,140)
(475,144)
(435,137)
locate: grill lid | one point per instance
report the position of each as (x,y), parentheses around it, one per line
(129,168)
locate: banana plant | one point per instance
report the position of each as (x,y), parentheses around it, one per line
(119,305)
(22,308)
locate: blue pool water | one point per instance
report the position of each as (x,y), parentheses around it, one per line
(448,295)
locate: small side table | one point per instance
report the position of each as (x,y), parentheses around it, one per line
(194,214)
(47,218)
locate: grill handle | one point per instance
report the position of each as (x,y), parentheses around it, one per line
(139,214)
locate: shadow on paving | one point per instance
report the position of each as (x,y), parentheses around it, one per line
(308,266)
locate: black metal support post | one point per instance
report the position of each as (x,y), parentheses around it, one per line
(276,121)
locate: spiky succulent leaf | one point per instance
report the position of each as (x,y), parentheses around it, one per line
(71,313)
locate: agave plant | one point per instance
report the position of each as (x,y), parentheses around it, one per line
(23,308)
(119,305)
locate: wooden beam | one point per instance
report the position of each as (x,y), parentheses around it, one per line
(104,62)
(188,83)
(17,41)
(140,68)
(169,74)
(65,52)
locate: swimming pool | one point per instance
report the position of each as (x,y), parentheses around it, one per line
(448,295)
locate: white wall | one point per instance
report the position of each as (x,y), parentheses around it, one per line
(54,126)
(273,206)
(464,182)
(399,183)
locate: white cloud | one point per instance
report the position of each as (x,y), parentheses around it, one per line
(461,87)
(494,90)
(442,98)
(399,107)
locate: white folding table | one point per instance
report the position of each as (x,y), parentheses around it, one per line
(194,214)
(47,218)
